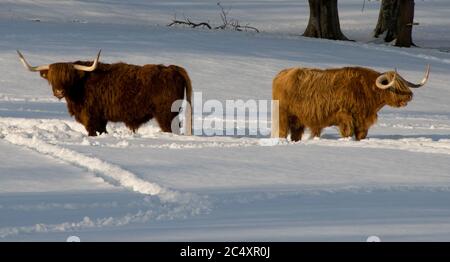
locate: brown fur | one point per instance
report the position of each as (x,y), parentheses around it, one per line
(344,97)
(119,93)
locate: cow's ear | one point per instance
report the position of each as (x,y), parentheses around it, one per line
(44,74)
(81,74)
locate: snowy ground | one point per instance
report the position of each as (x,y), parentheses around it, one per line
(56,182)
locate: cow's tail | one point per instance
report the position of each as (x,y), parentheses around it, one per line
(188,97)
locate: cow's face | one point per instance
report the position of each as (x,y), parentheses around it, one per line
(396,90)
(61,76)
(398,95)
(59,93)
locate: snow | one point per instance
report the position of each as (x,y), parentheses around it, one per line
(55,181)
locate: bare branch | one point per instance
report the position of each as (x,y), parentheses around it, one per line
(189,23)
(226,22)
(223,16)
(245,27)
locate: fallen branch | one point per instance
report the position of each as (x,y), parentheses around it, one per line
(239,27)
(189,23)
(226,23)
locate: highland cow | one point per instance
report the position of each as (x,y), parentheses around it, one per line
(97,93)
(348,98)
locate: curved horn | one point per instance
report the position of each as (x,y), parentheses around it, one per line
(382,78)
(424,80)
(29,67)
(89,68)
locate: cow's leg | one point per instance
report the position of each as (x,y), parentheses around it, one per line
(101,126)
(95,125)
(132,126)
(360,133)
(296,128)
(283,123)
(345,123)
(316,131)
(362,127)
(87,121)
(164,120)
(90,127)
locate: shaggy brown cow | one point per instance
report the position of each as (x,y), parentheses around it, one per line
(97,93)
(347,97)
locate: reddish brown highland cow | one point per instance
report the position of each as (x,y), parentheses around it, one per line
(347,97)
(97,93)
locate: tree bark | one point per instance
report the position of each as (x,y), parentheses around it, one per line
(324,20)
(387,12)
(396,18)
(405,23)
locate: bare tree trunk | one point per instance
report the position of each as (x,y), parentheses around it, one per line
(405,23)
(324,20)
(396,19)
(387,12)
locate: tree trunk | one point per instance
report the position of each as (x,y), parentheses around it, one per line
(324,20)
(396,19)
(405,23)
(387,12)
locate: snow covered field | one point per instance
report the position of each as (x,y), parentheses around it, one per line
(150,186)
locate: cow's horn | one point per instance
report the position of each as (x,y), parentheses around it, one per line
(88,68)
(382,78)
(424,80)
(29,67)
